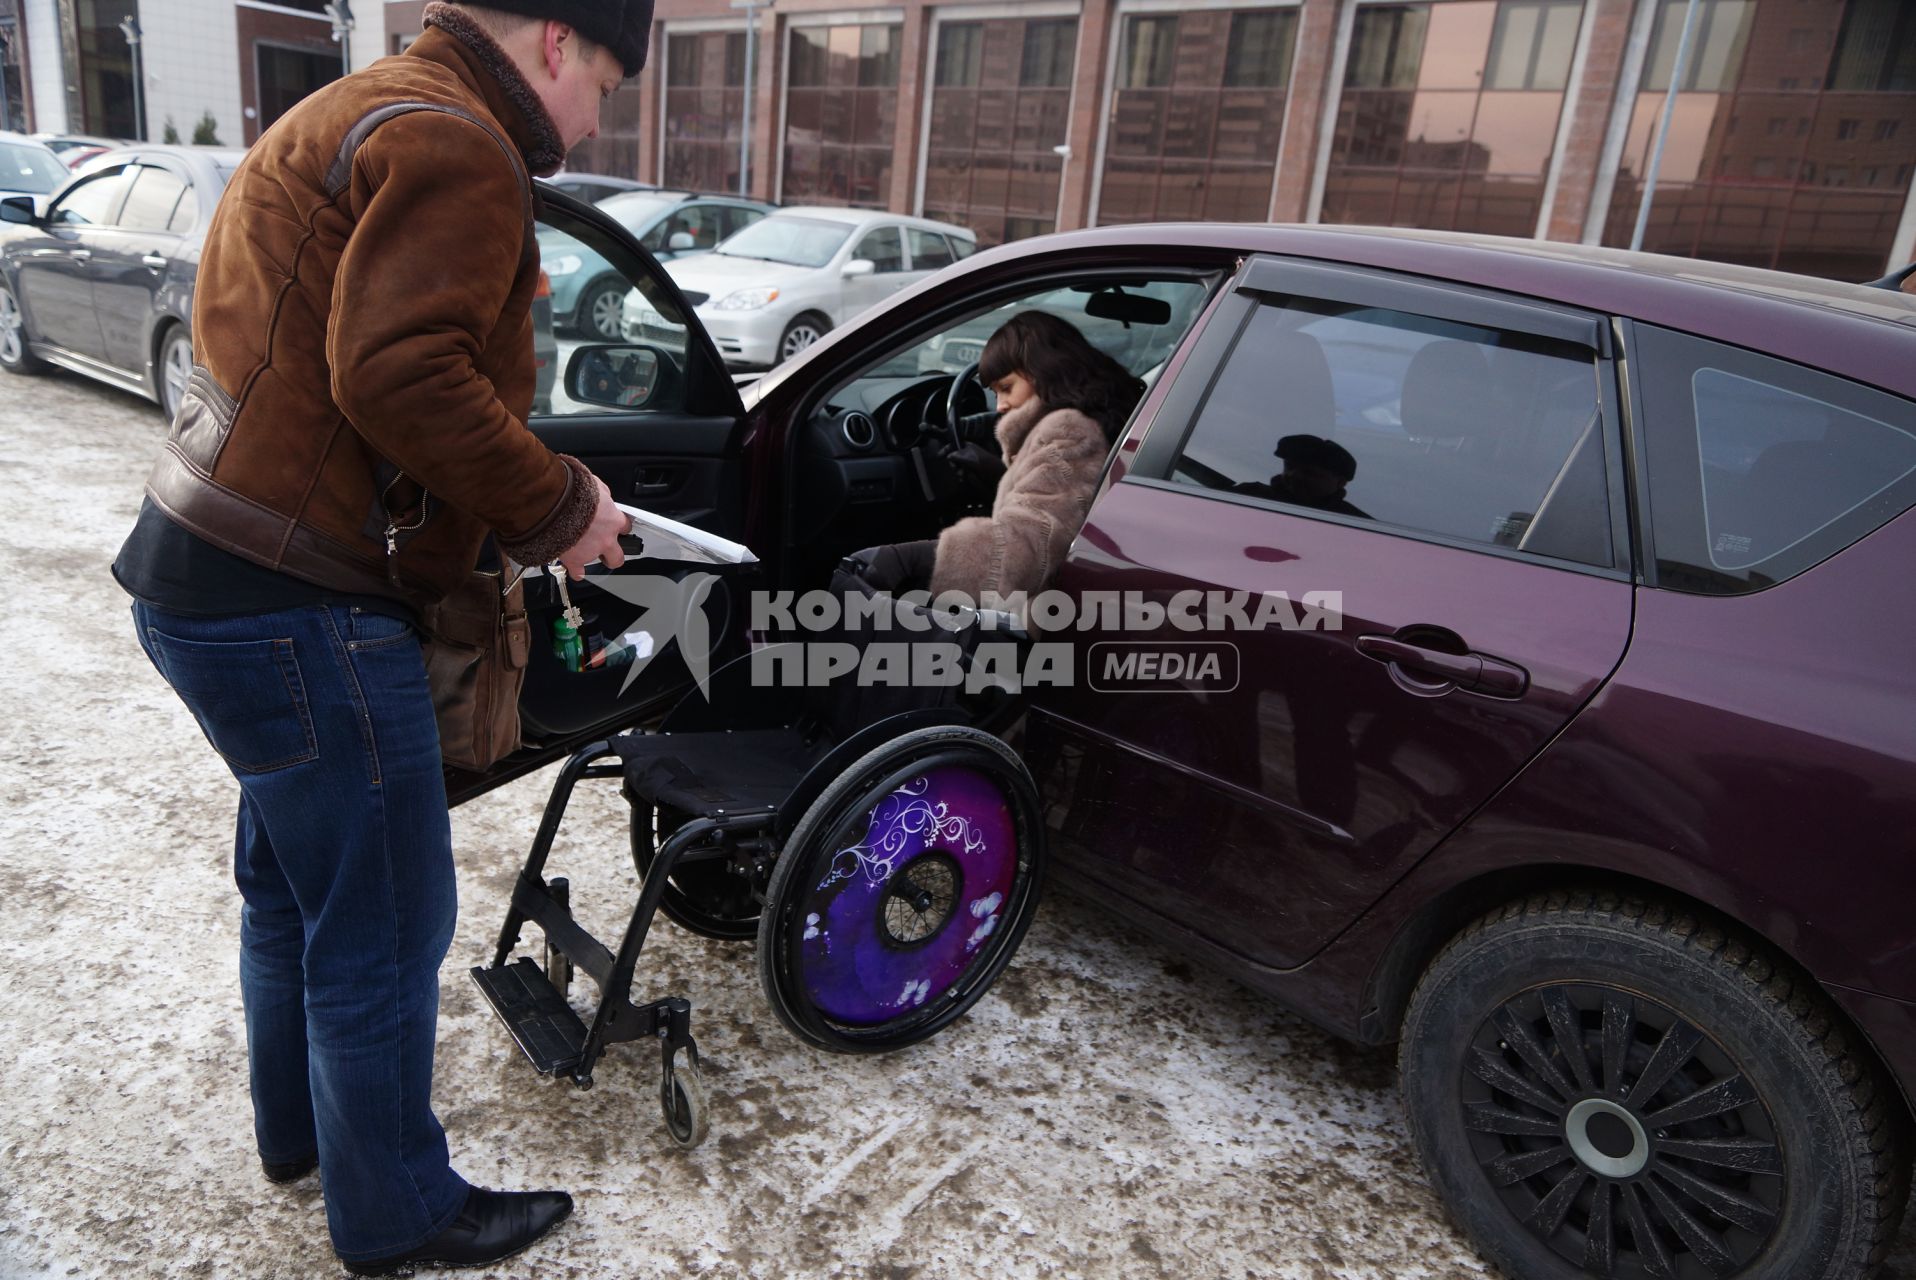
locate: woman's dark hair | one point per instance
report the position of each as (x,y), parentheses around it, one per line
(1066,371)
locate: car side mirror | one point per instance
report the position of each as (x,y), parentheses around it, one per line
(24,210)
(860,267)
(681,241)
(617,377)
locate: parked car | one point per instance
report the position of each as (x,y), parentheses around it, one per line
(27,167)
(773,290)
(76,149)
(594,187)
(1585,773)
(98,277)
(587,293)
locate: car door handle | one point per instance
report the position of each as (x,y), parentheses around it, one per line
(155,261)
(80,255)
(655,482)
(1470,671)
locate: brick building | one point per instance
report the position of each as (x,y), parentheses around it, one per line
(1793,142)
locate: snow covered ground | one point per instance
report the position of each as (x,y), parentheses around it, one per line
(1108,1111)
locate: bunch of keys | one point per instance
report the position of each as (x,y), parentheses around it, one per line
(568,646)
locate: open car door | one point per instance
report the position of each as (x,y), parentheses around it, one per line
(659,420)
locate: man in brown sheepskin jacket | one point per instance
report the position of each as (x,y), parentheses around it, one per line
(352,435)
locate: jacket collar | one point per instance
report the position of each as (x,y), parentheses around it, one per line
(1013,427)
(454,40)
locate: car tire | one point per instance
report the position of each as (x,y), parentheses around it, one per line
(801,333)
(1747,1132)
(173,368)
(14,356)
(600,305)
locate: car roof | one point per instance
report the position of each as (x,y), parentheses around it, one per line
(1854,330)
(221,157)
(7,135)
(865,217)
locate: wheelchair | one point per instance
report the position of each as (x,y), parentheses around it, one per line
(882,845)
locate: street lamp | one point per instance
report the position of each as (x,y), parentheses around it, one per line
(751,8)
(341,12)
(130,28)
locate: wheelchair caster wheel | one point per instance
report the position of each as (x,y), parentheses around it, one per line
(682,1099)
(558,968)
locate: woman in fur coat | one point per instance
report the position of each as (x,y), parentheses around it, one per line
(1061,405)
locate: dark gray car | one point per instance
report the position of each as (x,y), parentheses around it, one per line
(98,277)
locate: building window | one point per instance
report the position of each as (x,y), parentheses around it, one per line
(1815,199)
(704,110)
(1001,102)
(1196,116)
(1449,113)
(841,108)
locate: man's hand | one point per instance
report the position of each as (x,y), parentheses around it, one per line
(601,539)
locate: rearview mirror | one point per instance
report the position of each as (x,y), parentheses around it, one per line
(1127,308)
(617,377)
(681,241)
(24,210)
(860,267)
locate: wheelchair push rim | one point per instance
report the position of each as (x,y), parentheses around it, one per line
(903,892)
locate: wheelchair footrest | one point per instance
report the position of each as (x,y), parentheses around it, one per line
(545,1027)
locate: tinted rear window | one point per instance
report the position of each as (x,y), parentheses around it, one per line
(1761,469)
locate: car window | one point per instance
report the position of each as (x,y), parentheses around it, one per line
(30,169)
(1139,344)
(1445,428)
(1761,469)
(700,221)
(94,201)
(884,248)
(151,199)
(737,217)
(186,214)
(586,302)
(929,251)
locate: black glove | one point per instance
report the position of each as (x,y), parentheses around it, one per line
(895,567)
(976,462)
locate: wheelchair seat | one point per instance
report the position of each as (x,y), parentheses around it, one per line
(714,773)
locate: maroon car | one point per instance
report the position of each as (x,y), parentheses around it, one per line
(1580,756)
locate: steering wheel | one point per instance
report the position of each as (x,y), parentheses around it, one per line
(967,374)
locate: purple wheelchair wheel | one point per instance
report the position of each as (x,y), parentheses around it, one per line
(903,891)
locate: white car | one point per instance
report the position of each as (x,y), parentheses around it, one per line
(781,284)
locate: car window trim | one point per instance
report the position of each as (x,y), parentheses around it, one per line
(1272,275)
(1159,449)
(1408,532)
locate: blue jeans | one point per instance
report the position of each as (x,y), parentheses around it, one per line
(343,856)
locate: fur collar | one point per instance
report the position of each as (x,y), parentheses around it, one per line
(1015,426)
(538,138)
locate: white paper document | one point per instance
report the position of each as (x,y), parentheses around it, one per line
(669,540)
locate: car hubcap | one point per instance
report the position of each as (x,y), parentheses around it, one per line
(605,313)
(12,341)
(914,888)
(800,337)
(1621,1135)
(179,367)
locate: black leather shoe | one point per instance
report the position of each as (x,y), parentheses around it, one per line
(291,1171)
(492,1225)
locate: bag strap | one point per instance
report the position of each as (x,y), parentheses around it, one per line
(341,171)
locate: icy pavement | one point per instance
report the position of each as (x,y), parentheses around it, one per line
(1107,1111)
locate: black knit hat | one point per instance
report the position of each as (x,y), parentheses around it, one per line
(623,26)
